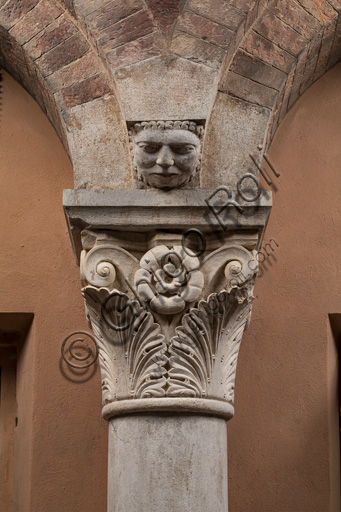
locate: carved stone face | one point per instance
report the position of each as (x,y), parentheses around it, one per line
(166,158)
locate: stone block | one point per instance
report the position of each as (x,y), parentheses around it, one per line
(257,70)
(236,130)
(248,90)
(297,17)
(219,11)
(136,26)
(135,51)
(57,32)
(14,10)
(35,21)
(205,29)
(99,144)
(197,50)
(63,54)
(172,88)
(309,70)
(273,29)
(298,78)
(87,90)
(85,67)
(268,52)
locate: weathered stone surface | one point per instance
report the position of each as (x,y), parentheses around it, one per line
(205,29)
(135,51)
(135,26)
(87,90)
(273,29)
(218,10)
(171,88)
(75,73)
(186,455)
(63,54)
(197,50)
(297,17)
(99,145)
(235,130)
(255,69)
(13,11)
(57,32)
(298,78)
(286,97)
(268,52)
(35,21)
(248,90)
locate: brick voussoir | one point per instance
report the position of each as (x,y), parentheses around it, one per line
(13,11)
(135,51)
(276,31)
(268,52)
(85,91)
(205,29)
(63,54)
(293,14)
(58,31)
(35,21)
(73,73)
(112,13)
(248,90)
(255,69)
(135,26)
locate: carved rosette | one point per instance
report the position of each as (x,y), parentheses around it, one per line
(168,326)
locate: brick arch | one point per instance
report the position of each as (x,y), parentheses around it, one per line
(45,49)
(292,44)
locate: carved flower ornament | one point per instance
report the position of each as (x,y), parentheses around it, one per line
(168,278)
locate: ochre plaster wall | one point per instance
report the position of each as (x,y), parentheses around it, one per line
(61,438)
(283,446)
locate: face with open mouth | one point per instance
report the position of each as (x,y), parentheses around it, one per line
(166,158)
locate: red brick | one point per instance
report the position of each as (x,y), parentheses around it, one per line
(85,91)
(136,26)
(63,54)
(298,18)
(197,50)
(205,29)
(244,5)
(281,34)
(325,50)
(113,12)
(253,68)
(248,90)
(165,12)
(14,10)
(268,52)
(135,51)
(77,71)
(35,21)
(219,11)
(57,32)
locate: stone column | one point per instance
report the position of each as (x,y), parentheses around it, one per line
(168,317)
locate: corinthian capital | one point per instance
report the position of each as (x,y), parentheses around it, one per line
(168,320)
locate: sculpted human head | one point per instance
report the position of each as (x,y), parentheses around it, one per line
(166,153)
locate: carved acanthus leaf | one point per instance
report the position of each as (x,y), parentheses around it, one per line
(204,337)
